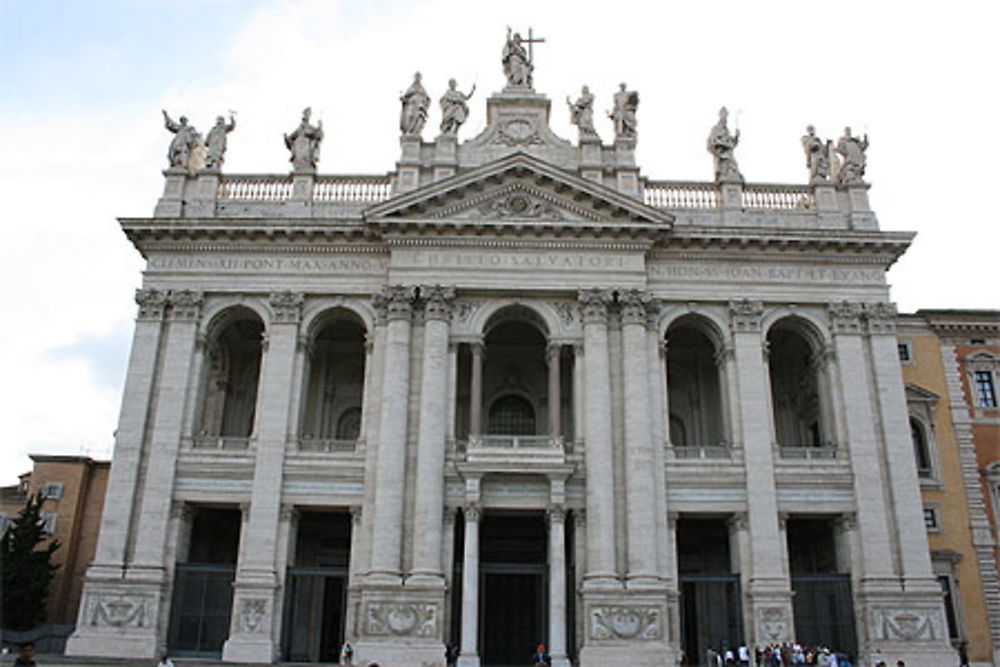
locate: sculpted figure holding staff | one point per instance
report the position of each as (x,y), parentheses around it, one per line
(416,102)
(454,110)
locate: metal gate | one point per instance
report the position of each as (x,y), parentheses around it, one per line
(711,615)
(201,608)
(314,614)
(513,614)
(824,611)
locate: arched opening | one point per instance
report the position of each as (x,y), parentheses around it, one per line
(694,387)
(921,449)
(515,378)
(335,383)
(230,390)
(798,391)
(511,415)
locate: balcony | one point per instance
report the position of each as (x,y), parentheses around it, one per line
(327,445)
(515,449)
(221,442)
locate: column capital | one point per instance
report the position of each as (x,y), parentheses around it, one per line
(472,512)
(845,316)
(881,317)
(185,305)
(286,306)
(556,513)
(745,315)
(847,522)
(594,305)
(438,301)
(152,303)
(579,518)
(477,347)
(724,354)
(395,302)
(553,350)
(739,521)
(634,305)
(288,512)
(356,514)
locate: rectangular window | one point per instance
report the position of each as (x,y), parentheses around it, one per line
(49,523)
(986,394)
(52,490)
(931,519)
(905,353)
(949,606)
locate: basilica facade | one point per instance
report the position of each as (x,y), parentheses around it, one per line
(513,392)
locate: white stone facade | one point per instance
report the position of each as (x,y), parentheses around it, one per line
(514,266)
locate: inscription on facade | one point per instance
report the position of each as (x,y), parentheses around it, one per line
(524,260)
(346,264)
(692,272)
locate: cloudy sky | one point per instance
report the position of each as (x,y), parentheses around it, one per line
(82,85)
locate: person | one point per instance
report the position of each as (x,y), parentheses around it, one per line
(185,145)
(516,65)
(215,142)
(541,656)
(743,653)
(25,654)
(581,113)
(626,103)
(817,155)
(852,151)
(415,101)
(722,145)
(304,142)
(963,655)
(346,654)
(451,653)
(165,661)
(454,110)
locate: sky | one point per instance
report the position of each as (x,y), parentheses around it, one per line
(82,85)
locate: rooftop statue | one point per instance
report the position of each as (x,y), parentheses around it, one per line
(416,102)
(817,156)
(581,113)
(454,110)
(186,149)
(626,103)
(722,145)
(215,142)
(853,159)
(304,142)
(517,65)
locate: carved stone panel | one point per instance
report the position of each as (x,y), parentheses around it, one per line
(252,616)
(625,622)
(119,611)
(772,624)
(909,625)
(401,619)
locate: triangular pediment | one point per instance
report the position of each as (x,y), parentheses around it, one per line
(518,190)
(917,394)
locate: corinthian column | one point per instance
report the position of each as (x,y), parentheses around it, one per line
(469,656)
(396,302)
(553,353)
(640,497)
(428,519)
(601,570)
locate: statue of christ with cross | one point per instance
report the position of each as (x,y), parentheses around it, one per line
(518,63)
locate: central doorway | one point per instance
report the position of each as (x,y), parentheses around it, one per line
(513,585)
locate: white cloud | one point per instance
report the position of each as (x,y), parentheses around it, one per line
(917,79)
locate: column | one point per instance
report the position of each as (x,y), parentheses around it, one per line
(387,529)
(640,490)
(601,570)
(859,420)
(185,309)
(110,555)
(552,354)
(353,567)
(452,389)
(429,505)
(557,586)
(252,630)
(658,412)
(369,349)
(769,590)
(469,656)
(578,372)
(476,390)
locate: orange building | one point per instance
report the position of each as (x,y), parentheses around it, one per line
(74,499)
(951,363)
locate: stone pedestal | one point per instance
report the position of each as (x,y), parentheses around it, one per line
(854,200)
(400,626)
(591,164)
(626,172)
(202,203)
(171,203)
(408,167)
(627,628)
(731,201)
(300,203)
(445,156)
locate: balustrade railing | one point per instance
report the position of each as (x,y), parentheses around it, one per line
(228,442)
(668,194)
(327,445)
(514,442)
(811,453)
(712,452)
(255,188)
(363,189)
(781,197)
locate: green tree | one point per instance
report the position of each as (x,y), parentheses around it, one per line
(27,569)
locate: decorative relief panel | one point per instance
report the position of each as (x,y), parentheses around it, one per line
(772,624)
(438,301)
(520,206)
(463,310)
(152,303)
(185,304)
(402,620)
(395,301)
(614,622)
(287,306)
(119,611)
(252,616)
(745,315)
(516,132)
(919,624)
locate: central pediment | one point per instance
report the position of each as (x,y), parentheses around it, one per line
(519,191)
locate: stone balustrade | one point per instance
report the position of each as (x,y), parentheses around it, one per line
(307,444)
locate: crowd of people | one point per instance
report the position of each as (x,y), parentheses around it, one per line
(779,655)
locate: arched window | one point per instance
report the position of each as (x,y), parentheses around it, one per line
(349,424)
(334,389)
(693,386)
(512,415)
(797,394)
(921,451)
(230,393)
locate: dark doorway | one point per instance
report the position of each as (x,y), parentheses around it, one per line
(711,610)
(316,588)
(822,599)
(513,601)
(203,585)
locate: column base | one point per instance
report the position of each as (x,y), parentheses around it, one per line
(400,653)
(118,618)
(770,608)
(397,626)
(601,582)
(253,628)
(468,661)
(906,626)
(627,627)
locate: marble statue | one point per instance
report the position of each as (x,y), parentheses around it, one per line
(416,102)
(853,159)
(581,113)
(626,102)
(454,110)
(722,145)
(186,149)
(517,66)
(215,142)
(817,156)
(304,142)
